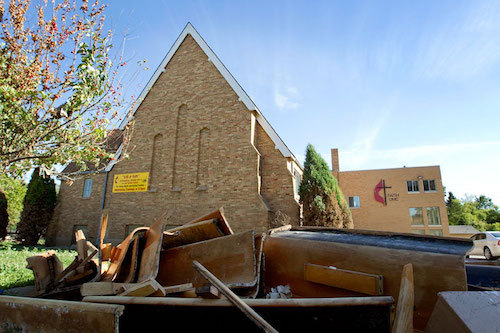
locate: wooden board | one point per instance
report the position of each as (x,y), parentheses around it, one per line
(286,253)
(180,288)
(403,322)
(150,255)
(142,289)
(231,258)
(370,284)
(219,215)
(193,233)
(105,288)
(21,314)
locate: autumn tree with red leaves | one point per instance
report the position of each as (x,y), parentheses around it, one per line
(58,86)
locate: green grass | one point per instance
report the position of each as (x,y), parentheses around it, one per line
(13,271)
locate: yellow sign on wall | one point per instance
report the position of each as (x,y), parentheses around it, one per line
(131,182)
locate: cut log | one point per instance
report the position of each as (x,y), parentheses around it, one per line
(370,284)
(233,298)
(230,257)
(403,323)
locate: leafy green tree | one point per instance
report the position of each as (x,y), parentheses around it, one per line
(59,89)
(4,216)
(483,202)
(322,199)
(479,212)
(14,190)
(39,204)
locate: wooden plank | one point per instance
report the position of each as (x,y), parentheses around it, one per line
(103,225)
(150,256)
(193,233)
(233,298)
(258,302)
(208,291)
(370,284)
(142,289)
(178,288)
(230,257)
(403,323)
(105,288)
(22,314)
(219,215)
(106,251)
(81,247)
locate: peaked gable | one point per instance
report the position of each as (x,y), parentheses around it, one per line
(242,95)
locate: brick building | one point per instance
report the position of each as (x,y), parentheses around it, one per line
(398,200)
(202,144)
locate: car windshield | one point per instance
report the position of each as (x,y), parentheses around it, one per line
(496,234)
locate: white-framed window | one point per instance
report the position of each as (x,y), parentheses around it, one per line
(416,216)
(87,188)
(412,186)
(429,185)
(354,202)
(297,180)
(418,231)
(436,232)
(433,217)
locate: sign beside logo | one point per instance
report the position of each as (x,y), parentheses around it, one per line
(130,182)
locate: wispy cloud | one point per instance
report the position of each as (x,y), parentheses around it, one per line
(464,47)
(286,98)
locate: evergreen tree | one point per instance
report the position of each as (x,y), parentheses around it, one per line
(4,216)
(450,199)
(323,201)
(39,204)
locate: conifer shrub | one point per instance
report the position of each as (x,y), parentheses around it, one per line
(323,202)
(39,204)
(4,216)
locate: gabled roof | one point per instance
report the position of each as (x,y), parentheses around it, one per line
(243,96)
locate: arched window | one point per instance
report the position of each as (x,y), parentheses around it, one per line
(203,159)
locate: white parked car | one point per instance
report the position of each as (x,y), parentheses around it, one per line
(486,243)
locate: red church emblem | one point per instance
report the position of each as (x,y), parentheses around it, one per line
(381,186)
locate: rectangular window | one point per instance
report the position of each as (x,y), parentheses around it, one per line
(433,217)
(437,232)
(429,185)
(87,188)
(354,202)
(418,231)
(77,227)
(412,186)
(416,216)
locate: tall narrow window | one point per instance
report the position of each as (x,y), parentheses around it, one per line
(297,182)
(156,162)
(354,202)
(203,159)
(87,188)
(180,127)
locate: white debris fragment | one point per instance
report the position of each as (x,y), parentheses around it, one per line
(279,292)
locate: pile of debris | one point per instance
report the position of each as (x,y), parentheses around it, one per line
(133,267)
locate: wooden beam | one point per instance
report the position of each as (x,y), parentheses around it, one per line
(370,284)
(403,323)
(233,298)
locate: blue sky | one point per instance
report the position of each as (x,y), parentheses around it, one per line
(389,83)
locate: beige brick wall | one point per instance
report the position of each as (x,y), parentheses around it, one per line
(204,159)
(395,216)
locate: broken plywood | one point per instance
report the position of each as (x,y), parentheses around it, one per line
(231,258)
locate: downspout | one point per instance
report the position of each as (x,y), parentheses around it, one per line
(103,201)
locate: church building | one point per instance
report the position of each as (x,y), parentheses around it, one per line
(199,143)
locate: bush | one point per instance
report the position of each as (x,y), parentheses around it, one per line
(322,199)
(4,216)
(39,204)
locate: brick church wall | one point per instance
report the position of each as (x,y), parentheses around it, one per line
(192,134)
